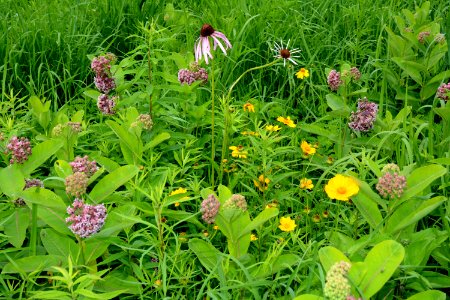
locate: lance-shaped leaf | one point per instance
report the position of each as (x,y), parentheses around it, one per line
(40,154)
(207,254)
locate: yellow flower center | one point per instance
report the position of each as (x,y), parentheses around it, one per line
(342,190)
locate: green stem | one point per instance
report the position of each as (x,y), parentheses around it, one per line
(213,154)
(249,70)
(33,234)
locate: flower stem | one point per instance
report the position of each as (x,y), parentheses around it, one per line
(33,234)
(213,154)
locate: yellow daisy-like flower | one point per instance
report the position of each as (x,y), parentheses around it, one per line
(303,73)
(237,151)
(307,148)
(249,107)
(262,183)
(273,204)
(253,237)
(177,192)
(216,227)
(273,128)
(341,187)
(287,121)
(306,183)
(286,224)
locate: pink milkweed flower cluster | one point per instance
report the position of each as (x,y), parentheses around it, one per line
(355,73)
(391,184)
(20,149)
(443,91)
(202,46)
(364,117)
(422,36)
(337,286)
(84,165)
(236,201)
(106,104)
(194,73)
(104,82)
(210,209)
(76,184)
(85,219)
(101,65)
(334,80)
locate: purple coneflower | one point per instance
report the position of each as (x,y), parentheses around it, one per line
(284,52)
(202,46)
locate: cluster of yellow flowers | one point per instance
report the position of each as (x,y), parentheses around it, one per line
(238,151)
(287,121)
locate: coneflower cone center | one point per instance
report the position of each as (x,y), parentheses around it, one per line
(284,53)
(206,30)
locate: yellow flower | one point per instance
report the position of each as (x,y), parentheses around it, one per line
(303,73)
(307,210)
(216,227)
(177,192)
(286,224)
(306,183)
(307,148)
(249,107)
(158,283)
(250,133)
(273,204)
(341,187)
(237,151)
(286,121)
(253,237)
(262,183)
(273,128)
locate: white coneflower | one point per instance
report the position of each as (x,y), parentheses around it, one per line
(284,52)
(202,46)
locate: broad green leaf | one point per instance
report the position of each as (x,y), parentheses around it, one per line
(63,168)
(16,226)
(224,194)
(421,244)
(91,93)
(40,154)
(436,280)
(12,181)
(51,208)
(58,295)
(207,254)
(329,256)
(365,202)
(378,267)
(94,248)
(260,219)
(92,295)
(421,178)
(117,280)
(108,184)
(309,297)
(157,140)
(411,68)
(60,245)
(444,112)
(33,264)
(336,102)
(412,211)
(428,295)
(130,140)
(442,161)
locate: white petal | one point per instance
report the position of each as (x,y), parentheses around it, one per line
(217,42)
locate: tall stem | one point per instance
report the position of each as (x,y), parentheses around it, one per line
(213,154)
(149,63)
(33,234)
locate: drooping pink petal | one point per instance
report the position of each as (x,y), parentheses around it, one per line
(223,37)
(217,42)
(206,48)
(198,50)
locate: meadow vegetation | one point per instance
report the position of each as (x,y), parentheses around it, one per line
(224,149)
